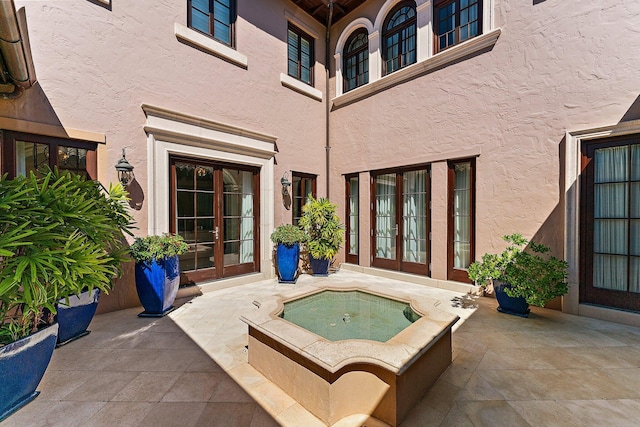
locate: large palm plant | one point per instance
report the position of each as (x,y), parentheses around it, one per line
(59,235)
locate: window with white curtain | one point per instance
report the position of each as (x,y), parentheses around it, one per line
(610,222)
(414,216)
(386,225)
(353,222)
(616,218)
(461,218)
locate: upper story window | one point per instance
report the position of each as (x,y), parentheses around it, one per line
(356,60)
(300,55)
(456,21)
(215,18)
(399,38)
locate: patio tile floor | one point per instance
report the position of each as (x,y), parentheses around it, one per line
(190,369)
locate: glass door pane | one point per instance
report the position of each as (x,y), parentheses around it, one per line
(353,216)
(610,221)
(414,219)
(386,225)
(462,216)
(238,217)
(195,214)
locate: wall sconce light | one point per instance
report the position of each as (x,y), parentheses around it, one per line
(125,170)
(285,184)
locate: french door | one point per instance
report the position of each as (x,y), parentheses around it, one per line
(400,220)
(215,208)
(610,232)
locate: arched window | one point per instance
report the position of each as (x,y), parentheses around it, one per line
(399,38)
(355,70)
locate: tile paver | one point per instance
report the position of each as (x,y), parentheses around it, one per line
(190,369)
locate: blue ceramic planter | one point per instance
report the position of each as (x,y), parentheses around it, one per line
(157,285)
(509,305)
(74,318)
(22,365)
(319,267)
(287,258)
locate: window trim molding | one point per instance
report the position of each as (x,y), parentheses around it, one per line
(444,58)
(200,40)
(300,87)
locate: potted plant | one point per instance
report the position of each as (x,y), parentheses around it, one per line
(521,278)
(110,220)
(326,234)
(157,271)
(47,253)
(287,238)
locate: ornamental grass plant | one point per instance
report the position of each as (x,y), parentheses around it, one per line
(60,234)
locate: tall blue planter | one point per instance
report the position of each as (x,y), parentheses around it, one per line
(22,365)
(157,284)
(74,317)
(287,258)
(319,267)
(510,305)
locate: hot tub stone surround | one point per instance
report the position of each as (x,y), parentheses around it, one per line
(336,379)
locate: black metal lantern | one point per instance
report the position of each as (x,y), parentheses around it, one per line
(285,184)
(125,170)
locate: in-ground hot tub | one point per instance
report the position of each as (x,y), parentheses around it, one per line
(340,375)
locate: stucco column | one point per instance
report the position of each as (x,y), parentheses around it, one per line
(439,197)
(338,59)
(375,59)
(424,30)
(364,180)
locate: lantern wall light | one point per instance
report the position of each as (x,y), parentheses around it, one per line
(125,170)
(285,184)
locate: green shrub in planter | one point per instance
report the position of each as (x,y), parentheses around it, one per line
(60,234)
(145,249)
(321,223)
(533,275)
(288,235)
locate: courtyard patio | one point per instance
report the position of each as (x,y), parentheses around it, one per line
(190,369)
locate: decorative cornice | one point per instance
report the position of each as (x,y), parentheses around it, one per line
(182,128)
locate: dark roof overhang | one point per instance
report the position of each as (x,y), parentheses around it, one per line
(319,9)
(17,72)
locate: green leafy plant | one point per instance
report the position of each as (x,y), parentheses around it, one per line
(288,235)
(534,274)
(321,223)
(60,234)
(145,249)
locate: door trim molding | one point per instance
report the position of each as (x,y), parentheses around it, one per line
(174,133)
(573,176)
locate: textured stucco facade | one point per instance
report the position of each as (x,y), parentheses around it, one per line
(516,99)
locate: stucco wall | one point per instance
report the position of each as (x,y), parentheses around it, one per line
(556,66)
(97,65)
